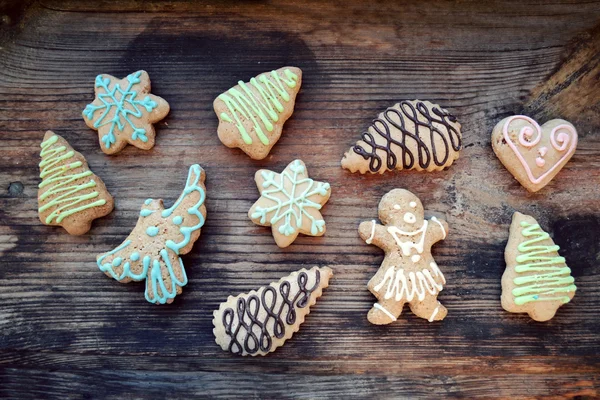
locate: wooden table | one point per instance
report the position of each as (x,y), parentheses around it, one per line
(66,330)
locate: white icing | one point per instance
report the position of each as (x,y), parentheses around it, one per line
(413,204)
(415,258)
(434,219)
(434,313)
(401,288)
(410,218)
(396,207)
(386,312)
(370,239)
(435,269)
(407,246)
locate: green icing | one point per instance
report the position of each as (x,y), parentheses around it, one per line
(59,178)
(547,277)
(245,104)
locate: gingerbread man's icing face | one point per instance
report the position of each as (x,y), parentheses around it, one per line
(407,215)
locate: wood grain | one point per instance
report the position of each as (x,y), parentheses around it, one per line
(66,330)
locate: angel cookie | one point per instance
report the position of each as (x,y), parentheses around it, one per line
(70,195)
(151,252)
(289,203)
(408,273)
(413,134)
(537,280)
(534,154)
(124,111)
(251,115)
(258,322)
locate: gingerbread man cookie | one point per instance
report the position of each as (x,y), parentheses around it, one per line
(124,111)
(408,273)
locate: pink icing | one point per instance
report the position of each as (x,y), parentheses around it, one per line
(560,142)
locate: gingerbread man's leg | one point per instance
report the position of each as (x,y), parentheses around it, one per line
(430,309)
(385,312)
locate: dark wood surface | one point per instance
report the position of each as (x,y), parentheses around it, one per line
(66,330)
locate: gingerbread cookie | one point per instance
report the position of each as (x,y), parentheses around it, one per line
(408,273)
(258,322)
(534,154)
(289,203)
(251,115)
(124,111)
(152,250)
(537,280)
(409,135)
(70,195)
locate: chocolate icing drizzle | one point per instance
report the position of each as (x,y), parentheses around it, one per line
(273,325)
(449,135)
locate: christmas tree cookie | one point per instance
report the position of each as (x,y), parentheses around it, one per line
(151,252)
(70,195)
(289,203)
(124,111)
(409,135)
(408,273)
(258,322)
(537,280)
(252,114)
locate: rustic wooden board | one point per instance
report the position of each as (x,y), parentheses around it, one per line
(66,330)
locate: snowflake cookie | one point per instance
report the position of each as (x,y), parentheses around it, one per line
(124,111)
(290,203)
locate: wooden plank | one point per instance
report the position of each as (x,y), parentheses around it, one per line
(66,330)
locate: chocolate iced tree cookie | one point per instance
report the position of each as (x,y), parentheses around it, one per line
(409,135)
(258,322)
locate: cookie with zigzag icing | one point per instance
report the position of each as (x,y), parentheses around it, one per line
(70,195)
(251,114)
(258,322)
(537,280)
(411,134)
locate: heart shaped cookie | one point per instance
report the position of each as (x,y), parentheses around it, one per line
(534,154)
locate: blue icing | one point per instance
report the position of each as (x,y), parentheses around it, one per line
(124,102)
(159,290)
(145,213)
(147,202)
(152,231)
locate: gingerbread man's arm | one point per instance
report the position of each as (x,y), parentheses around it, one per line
(374,233)
(438,229)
